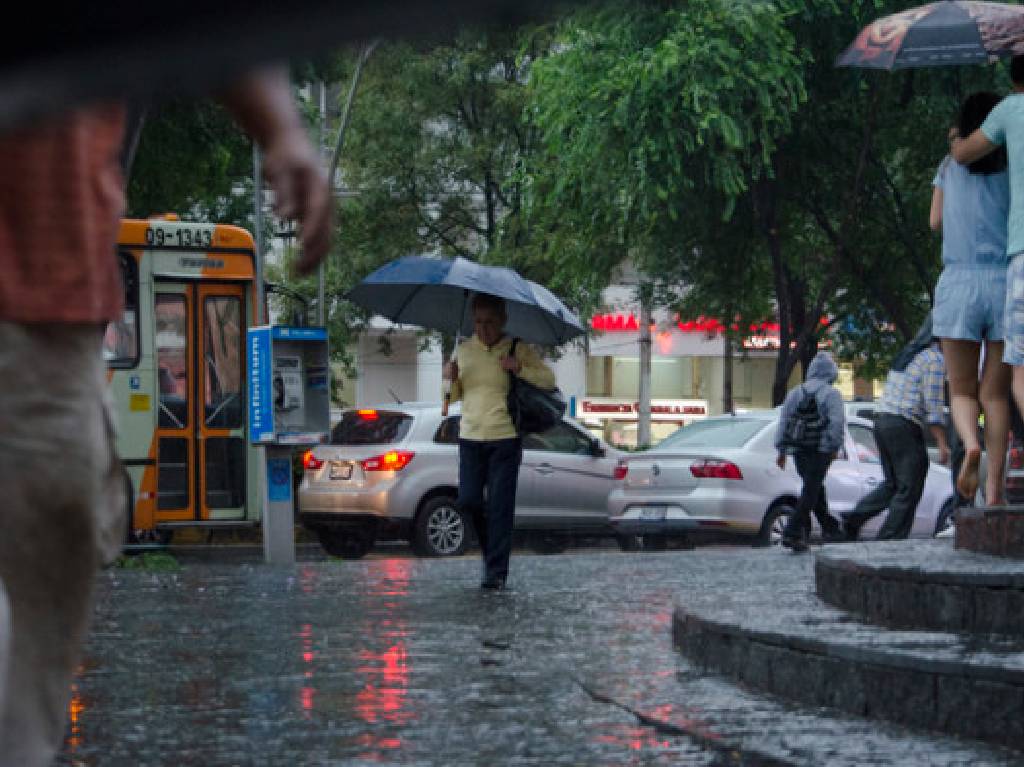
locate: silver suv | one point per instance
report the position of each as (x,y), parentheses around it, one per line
(391,472)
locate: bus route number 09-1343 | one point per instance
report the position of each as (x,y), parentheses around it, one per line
(179,237)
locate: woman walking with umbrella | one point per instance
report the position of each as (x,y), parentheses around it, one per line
(490,450)
(504,310)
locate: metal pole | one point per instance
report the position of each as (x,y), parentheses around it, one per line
(321,312)
(321,271)
(257,205)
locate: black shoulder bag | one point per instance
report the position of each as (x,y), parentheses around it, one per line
(533,410)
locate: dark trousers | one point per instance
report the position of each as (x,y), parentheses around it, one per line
(812,468)
(905,465)
(492,466)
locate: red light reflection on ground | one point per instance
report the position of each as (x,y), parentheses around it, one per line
(390,578)
(76,707)
(384,700)
(308,692)
(633,737)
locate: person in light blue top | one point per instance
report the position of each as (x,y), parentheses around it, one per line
(1005,127)
(970,204)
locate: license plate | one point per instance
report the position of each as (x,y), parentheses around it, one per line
(341,470)
(653,513)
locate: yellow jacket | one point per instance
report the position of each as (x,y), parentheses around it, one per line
(483,386)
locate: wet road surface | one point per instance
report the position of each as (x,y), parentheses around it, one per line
(405,661)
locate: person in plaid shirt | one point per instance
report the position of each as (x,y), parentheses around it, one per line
(913,400)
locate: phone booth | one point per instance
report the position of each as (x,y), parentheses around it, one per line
(289,407)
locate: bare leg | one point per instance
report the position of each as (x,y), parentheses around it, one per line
(962,371)
(994,394)
(1017,374)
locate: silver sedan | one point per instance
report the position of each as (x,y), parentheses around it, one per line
(719,476)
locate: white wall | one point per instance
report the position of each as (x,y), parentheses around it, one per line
(380,374)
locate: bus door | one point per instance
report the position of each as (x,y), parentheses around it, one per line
(199,348)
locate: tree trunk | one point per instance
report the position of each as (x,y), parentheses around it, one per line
(764,207)
(727,356)
(643,432)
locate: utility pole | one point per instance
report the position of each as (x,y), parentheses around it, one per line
(332,171)
(321,274)
(257,205)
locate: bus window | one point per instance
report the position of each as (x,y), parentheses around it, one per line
(223,348)
(121,339)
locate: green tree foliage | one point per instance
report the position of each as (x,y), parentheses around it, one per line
(650,114)
(716,142)
(193,160)
(436,133)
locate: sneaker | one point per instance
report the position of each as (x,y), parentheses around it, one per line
(493,584)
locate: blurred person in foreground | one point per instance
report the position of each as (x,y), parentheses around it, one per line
(490,449)
(811,429)
(912,401)
(61,198)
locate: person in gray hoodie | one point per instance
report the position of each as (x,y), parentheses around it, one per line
(812,460)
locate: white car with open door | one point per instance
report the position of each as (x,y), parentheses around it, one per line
(718,476)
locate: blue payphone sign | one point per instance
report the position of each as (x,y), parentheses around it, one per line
(261,398)
(289,385)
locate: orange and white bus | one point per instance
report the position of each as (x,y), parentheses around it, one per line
(176,364)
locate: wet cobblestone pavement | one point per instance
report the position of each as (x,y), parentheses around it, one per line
(405,661)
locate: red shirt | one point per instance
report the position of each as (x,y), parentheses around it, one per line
(61,199)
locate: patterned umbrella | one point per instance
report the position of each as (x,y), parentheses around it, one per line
(938,34)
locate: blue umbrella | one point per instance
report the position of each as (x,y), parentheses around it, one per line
(435,293)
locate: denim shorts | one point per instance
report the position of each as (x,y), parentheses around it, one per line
(1013,351)
(970,302)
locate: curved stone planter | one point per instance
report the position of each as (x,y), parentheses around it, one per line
(813,654)
(999,530)
(934,588)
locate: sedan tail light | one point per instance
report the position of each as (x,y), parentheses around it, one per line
(393,460)
(621,470)
(310,462)
(713,468)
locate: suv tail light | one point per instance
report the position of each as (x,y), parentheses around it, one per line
(621,470)
(310,462)
(393,460)
(713,468)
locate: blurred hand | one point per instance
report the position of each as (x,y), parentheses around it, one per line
(944,456)
(301,191)
(511,364)
(450,371)
(781,461)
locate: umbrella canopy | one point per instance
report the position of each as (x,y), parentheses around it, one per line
(938,34)
(435,293)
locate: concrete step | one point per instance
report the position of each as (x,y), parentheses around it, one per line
(774,634)
(928,585)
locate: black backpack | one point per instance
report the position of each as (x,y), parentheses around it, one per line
(805,425)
